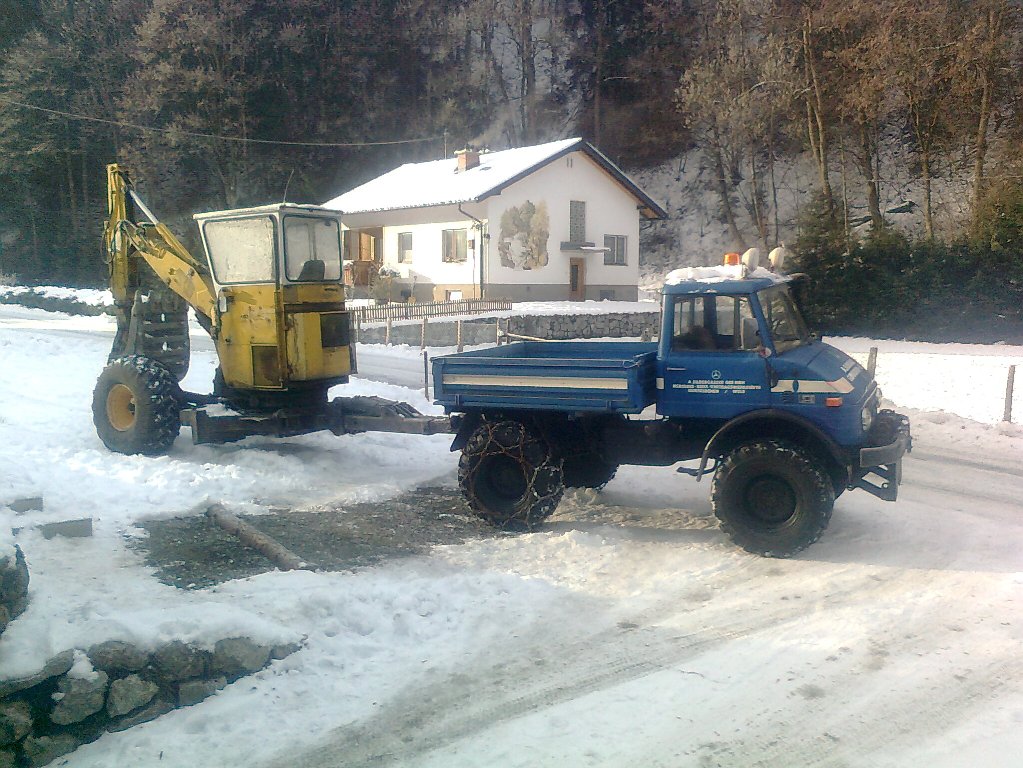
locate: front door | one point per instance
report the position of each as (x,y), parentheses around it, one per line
(577,280)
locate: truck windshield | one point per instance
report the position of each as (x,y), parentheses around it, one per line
(241,250)
(312,249)
(786,324)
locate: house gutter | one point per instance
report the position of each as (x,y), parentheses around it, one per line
(479,225)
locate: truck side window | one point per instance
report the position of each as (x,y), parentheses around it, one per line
(745,328)
(690,330)
(714,322)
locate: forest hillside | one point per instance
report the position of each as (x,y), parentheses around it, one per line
(881,142)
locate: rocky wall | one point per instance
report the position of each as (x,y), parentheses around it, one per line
(444,333)
(13,587)
(112,686)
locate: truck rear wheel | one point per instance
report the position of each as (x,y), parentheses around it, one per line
(509,476)
(772,498)
(587,470)
(135,406)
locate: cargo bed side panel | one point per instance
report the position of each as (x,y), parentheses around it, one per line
(563,376)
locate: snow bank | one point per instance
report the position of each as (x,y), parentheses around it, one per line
(967,380)
(90,296)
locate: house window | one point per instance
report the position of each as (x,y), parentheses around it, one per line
(453,245)
(614,249)
(452,295)
(577,221)
(404,247)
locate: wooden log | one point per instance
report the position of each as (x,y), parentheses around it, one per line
(274,551)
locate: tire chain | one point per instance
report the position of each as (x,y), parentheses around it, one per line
(161,390)
(514,440)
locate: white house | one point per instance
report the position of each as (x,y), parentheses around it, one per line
(551,222)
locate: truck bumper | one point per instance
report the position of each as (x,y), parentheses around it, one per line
(879,469)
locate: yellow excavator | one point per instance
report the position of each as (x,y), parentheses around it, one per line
(270,295)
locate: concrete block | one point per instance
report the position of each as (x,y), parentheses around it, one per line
(27,504)
(69,529)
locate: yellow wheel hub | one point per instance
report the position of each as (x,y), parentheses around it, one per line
(121,408)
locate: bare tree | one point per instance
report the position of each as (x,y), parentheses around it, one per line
(922,39)
(861,58)
(986,50)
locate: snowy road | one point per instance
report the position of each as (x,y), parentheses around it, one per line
(628,632)
(896,640)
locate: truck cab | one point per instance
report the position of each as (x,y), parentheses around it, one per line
(732,345)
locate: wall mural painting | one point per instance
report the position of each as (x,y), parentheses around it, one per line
(524,233)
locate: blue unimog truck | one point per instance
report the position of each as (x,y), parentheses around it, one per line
(736,382)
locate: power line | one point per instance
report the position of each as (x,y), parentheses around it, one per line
(197,134)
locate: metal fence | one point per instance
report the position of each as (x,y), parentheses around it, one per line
(418,311)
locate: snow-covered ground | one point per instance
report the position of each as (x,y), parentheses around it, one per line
(628,632)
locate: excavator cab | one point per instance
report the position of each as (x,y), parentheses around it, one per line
(269,293)
(279,314)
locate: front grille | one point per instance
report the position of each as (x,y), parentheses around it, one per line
(335,329)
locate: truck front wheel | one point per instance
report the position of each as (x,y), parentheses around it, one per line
(135,407)
(509,476)
(772,498)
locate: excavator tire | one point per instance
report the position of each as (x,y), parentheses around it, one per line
(135,406)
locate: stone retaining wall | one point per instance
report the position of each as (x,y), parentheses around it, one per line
(13,588)
(444,333)
(79,695)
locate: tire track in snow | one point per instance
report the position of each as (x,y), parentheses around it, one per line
(870,729)
(427,718)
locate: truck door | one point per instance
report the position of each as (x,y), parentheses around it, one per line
(710,367)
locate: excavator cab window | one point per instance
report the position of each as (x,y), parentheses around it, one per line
(312,249)
(241,250)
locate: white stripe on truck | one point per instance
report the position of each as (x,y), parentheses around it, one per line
(536,382)
(838,386)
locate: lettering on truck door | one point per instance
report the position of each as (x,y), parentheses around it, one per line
(712,367)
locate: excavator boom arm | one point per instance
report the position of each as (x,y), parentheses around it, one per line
(125,239)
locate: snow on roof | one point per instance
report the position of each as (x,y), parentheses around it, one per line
(420,185)
(417,185)
(720,273)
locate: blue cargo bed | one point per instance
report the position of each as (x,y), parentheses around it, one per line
(549,375)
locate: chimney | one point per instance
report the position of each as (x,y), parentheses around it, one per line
(467,158)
